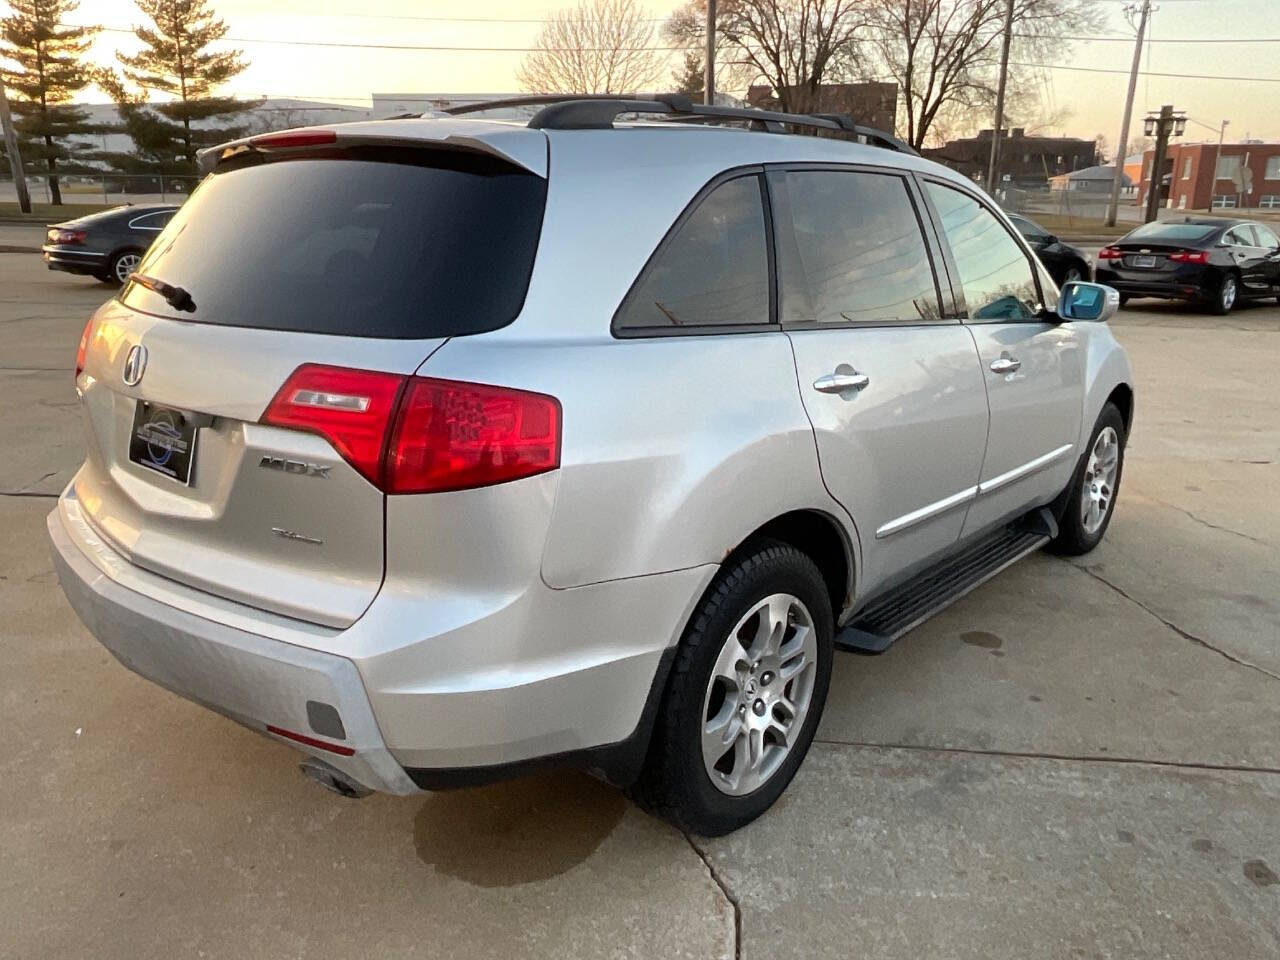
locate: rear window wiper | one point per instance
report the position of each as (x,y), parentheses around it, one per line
(177,297)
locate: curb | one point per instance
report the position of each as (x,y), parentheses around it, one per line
(11,248)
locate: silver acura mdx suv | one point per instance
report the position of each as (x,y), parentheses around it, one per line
(446,449)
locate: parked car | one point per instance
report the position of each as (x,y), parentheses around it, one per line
(1213,262)
(448,449)
(1064,262)
(108,244)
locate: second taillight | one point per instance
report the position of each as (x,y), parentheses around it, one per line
(1109,253)
(1189,256)
(420,435)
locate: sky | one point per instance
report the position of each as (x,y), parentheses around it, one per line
(1091,102)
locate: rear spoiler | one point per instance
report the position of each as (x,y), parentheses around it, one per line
(515,146)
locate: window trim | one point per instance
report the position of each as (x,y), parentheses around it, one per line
(775,176)
(621,332)
(953,271)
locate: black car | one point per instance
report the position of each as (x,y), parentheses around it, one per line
(106,245)
(1064,262)
(1216,263)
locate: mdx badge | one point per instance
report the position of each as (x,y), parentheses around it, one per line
(135,364)
(300,467)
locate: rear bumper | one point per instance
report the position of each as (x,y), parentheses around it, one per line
(544,678)
(1187,283)
(255,680)
(73,261)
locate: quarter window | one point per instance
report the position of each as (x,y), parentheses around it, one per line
(995,274)
(713,272)
(859,255)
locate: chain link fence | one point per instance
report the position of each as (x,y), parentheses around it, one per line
(104,188)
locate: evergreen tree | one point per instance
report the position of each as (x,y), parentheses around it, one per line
(176,62)
(691,78)
(50,71)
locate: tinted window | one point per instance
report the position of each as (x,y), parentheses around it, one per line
(714,271)
(404,243)
(994,272)
(859,255)
(152,221)
(1033,232)
(1240,236)
(1172,232)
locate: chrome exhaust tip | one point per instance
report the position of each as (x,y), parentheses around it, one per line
(331,778)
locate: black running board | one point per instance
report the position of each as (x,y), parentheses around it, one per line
(905,607)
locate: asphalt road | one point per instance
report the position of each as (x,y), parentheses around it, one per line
(1080,759)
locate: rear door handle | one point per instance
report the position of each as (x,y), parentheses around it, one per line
(840,382)
(1005,365)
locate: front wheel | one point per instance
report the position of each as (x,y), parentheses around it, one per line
(745,693)
(1072,275)
(1091,497)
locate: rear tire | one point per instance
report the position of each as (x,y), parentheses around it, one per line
(1091,495)
(758,645)
(1227,295)
(120,266)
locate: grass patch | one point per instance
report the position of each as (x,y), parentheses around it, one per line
(48,213)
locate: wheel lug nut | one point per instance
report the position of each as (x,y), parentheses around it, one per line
(758,708)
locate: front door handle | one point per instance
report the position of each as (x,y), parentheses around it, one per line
(840,382)
(1005,365)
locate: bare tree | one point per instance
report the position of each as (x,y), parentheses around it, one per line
(600,46)
(944,54)
(792,45)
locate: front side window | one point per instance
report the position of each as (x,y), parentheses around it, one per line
(859,255)
(712,272)
(995,274)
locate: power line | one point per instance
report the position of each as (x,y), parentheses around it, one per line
(1150,73)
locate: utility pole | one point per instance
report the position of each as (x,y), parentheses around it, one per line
(994,166)
(709,81)
(1164,125)
(1123,147)
(11,148)
(1217,158)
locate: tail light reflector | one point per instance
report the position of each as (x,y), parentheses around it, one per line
(1109,253)
(1189,256)
(65,238)
(294,138)
(84,347)
(454,436)
(422,435)
(352,409)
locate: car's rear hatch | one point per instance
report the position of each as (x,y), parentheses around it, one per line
(359,255)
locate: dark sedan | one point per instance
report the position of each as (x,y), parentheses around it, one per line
(1216,263)
(106,245)
(1063,261)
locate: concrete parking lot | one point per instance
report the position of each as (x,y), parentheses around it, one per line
(1079,759)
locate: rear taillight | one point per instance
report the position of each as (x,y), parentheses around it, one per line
(453,436)
(419,435)
(1189,256)
(84,347)
(1109,253)
(65,238)
(294,138)
(352,409)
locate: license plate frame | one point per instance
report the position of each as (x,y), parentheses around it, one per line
(1145,262)
(163,440)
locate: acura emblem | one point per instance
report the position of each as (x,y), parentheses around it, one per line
(135,364)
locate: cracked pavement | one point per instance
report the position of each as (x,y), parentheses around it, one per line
(1080,758)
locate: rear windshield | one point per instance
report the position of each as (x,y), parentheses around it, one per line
(1172,231)
(387,243)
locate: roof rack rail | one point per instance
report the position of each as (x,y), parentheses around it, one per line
(599,111)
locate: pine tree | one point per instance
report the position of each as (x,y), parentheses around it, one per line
(50,71)
(176,61)
(691,78)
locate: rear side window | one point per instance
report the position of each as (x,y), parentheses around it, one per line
(713,271)
(374,243)
(995,274)
(859,255)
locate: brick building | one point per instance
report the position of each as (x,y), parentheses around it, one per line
(1196,177)
(1028,160)
(872,104)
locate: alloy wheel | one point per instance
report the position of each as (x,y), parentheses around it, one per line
(1072,275)
(1099,488)
(126,263)
(759,694)
(1228,293)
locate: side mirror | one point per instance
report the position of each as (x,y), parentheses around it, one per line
(1050,240)
(1088,301)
